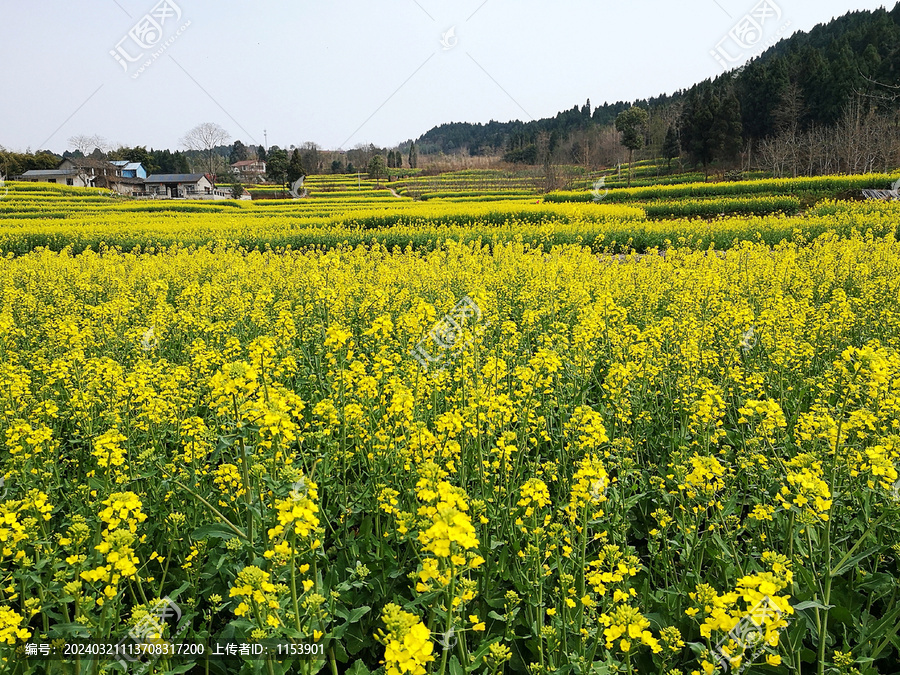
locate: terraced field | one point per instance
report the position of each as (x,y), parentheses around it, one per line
(442,436)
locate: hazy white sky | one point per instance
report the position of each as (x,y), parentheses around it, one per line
(348,71)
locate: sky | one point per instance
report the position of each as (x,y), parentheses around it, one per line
(345,72)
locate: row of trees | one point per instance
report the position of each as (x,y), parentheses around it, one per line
(860,141)
(284,167)
(206,148)
(309,159)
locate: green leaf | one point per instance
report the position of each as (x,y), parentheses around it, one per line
(215,530)
(358,668)
(224,443)
(480,652)
(353,615)
(811,603)
(497,617)
(855,559)
(70,630)
(455,666)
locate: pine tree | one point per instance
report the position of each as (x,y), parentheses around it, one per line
(671,146)
(377,168)
(295,167)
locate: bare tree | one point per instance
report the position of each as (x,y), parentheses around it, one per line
(205,138)
(609,150)
(787,115)
(86,144)
(775,154)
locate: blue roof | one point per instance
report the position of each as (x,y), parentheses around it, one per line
(125,164)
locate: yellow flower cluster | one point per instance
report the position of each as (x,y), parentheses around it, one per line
(755,601)
(296,517)
(769,414)
(805,491)
(123,507)
(588,490)
(122,514)
(407,642)
(257,592)
(705,478)
(534,494)
(11,628)
(12,531)
(586,425)
(108,449)
(612,567)
(450,530)
(625,625)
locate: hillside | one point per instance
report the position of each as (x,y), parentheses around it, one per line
(805,81)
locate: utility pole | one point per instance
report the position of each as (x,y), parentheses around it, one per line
(265,140)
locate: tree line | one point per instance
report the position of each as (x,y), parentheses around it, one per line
(822,101)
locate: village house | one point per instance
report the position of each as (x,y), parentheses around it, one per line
(131,169)
(124,177)
(178,185)
(131,179)
(249,171)
(61,176)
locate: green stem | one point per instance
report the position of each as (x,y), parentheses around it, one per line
(236,530)
(294,581)
(857,544)
(826,595)
(448,624)
(248,496)
(332,661)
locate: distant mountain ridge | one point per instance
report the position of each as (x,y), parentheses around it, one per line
(815,73)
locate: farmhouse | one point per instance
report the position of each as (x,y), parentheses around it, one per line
(62,176)
(251,170)
(124,185)
(125,177)
(178,185)
(131,179)
(131,169)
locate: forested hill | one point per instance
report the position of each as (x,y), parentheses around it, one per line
(810,77)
